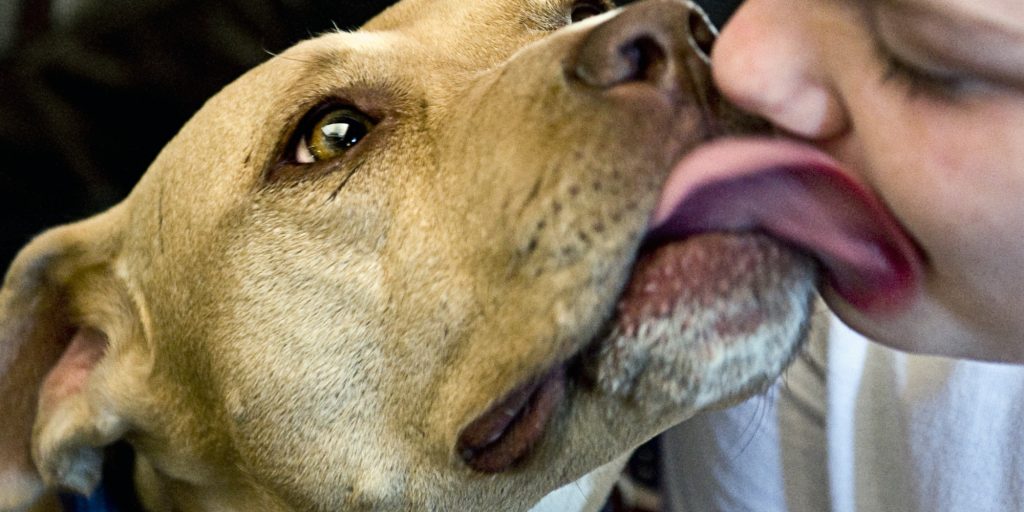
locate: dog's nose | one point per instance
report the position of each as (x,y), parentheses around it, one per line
(660,43)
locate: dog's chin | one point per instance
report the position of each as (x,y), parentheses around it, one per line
(704,320)
(701,321)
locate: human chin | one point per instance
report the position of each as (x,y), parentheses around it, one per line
(941,320)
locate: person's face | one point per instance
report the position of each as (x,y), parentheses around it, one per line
(923,101)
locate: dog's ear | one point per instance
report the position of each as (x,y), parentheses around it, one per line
(64,314)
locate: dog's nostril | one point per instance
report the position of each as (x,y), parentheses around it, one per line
(656,43)
(702,33)
(646,58)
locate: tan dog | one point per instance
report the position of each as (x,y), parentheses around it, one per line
(391,270)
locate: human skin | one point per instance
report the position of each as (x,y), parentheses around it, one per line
(922,101)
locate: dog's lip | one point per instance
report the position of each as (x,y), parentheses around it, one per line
(800,195)
(504,434)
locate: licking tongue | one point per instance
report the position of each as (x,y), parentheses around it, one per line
(796,194)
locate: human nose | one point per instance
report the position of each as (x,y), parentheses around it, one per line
(766,61)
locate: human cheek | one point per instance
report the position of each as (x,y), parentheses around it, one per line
(954,176)
(943,167)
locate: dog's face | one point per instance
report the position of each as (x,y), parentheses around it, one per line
(407,268)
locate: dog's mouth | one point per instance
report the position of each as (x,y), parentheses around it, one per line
(730,261)
(510,428)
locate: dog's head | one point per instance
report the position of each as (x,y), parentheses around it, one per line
(448,262)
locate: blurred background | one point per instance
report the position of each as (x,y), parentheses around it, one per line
(90,90)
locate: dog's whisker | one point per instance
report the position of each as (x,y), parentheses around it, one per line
(293,59)
(753,427)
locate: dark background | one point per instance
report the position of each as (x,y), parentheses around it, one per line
(91,90)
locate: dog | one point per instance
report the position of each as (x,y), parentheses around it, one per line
(434,264)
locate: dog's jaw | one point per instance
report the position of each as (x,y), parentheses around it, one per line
(708,318)
(701,320)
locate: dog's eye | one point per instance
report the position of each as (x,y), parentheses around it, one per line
(584,9)
(330,133)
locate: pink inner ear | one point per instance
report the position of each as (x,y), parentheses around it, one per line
(32,339)
(72,370)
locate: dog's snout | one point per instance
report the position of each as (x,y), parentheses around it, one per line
(659,43)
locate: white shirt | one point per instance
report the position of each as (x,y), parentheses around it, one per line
(854,426)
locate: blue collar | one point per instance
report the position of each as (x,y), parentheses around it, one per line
(116,492)
(98,501)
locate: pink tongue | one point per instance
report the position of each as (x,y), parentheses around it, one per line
(799,195)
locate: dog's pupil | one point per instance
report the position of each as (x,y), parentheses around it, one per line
(336,132)
(341,134)
(339,131)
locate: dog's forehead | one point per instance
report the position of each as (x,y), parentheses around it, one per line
(452,15)
(423,45)
(434,36)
